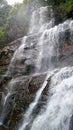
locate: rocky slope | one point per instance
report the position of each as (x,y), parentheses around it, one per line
(6,54)
(24,87)
(21,83)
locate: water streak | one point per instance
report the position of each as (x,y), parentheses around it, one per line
(27,115)
(59,106)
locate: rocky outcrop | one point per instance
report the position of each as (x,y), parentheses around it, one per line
(66,55)
(23,92)
(6,54)
(19,85)
(65,46)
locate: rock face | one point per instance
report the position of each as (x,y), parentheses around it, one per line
(71,123)
(19,85)
(27,64)
(6,54)
(23,90)
(22,94)
(66,55)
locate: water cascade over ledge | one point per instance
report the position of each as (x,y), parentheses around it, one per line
(39,92)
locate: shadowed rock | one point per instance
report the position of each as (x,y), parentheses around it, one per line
(2,127)
(71,123)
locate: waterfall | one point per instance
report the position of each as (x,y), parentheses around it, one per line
(42,52)
(40,16)
(54,116)
(27,115)
(5,99)
(43,45)
(59,108)
(34,41)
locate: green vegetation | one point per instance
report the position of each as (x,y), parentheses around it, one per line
(2,33)
(14,20)
(66,7)
(4,12)
(63,9)
(1,71)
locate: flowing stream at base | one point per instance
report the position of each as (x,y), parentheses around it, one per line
(39,53)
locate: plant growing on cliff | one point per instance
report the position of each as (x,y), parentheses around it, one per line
(63,9)
(1,71)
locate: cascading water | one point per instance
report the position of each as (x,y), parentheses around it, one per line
(59,108)
(5,99)
(42,52)
(33,41)
(27,115)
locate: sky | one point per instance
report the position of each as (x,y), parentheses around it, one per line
(12,2)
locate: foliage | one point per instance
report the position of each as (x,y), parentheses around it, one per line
(4,12)
(14,20)
(63,9)
(26,1)
(17,22)
(67,7)
(1,71)
(2,33)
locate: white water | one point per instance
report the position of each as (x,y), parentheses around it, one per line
(59,105)
(9,91)
(36,37)
(5,99)
(59,108)
(27,115)
(40,20)
(46,37)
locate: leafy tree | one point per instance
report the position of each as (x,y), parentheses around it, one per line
(17,22)
(63,9)
(13,22)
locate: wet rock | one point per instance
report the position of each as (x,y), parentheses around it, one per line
(2,127)
(6,54)
(23,93)
(1,102)
(66,45)
(71,123)
(43,99)
(23,88)
(4,80)
(30,69)
(35,83)
(1,96)
(66,57)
